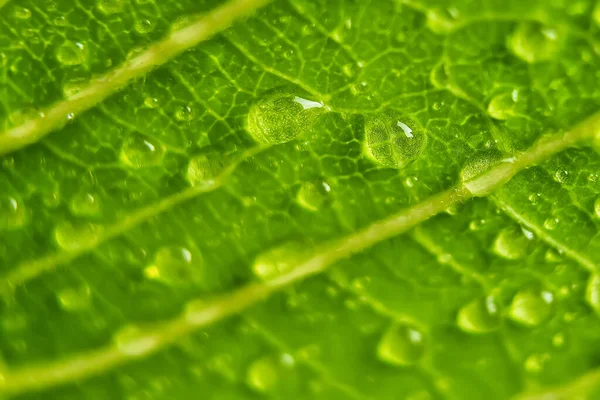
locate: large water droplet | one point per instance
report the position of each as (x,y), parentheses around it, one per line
(75,236)
(204,169)
(474,173)
(22,13)
(278,117)
(265,374)
(479,316)
(313,195)
(131,341)
(511,243)
(401,344)
(531,306)
(85,204)
(71,53)
(110,6)
(74,299)
(144,26)
(393,140)
(279,260)
(504,106)
(140,152)
(176,265)
(185,113)
(442,21)
(592,292)
(533,42)
(13,214)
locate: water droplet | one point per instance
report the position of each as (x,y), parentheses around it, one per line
(74,86)
(558,340)
(144,26)
(185,113)
(204,169)
(511,244)
(535,363)
(279,260)
(551,223)
(473,174)
(71,53)
(479,316)
(531,306)
(151,102)
(477,224)
(350,69)
(401,344)
(442,21)
(265,374)
(503,106)
(278,117)
(131,341)
(72,236)
(22,13)
(175,265)
(75,299)
(85,204)
(552,256)
(597,207)
(393,140)
(140,152)
(561,175)
(533,42)
(592,292)
(110,6)
(13,214)
(60,21)
(313,195)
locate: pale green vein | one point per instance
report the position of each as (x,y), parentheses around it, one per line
(32,269)
(97,90)
(584,387)
(101,360)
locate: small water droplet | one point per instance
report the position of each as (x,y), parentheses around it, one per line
(597,207)
(479,316)
(313,195)
(592,292)
(13,214)
(531,306)
(74,86)
(71,53)
(265,374)
(85,204)
(442,21)
(131,341)
(144,26)
(551,223)
(175,265)
(204,169)
(535,363)
(503,106)
(75,299)
(22,13)
(60,21)
(534,198)
(552,256)
(110,6)
(561,175)
(402,344)
(411,181)
(477,224)
(140,152)
(511,244)
(393,140)
(558,340)
(151,102)
(533,42)
(75,236)
(279,260)
(185,113)
(473,174)
(279,117)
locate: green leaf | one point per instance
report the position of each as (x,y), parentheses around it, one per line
(299,199)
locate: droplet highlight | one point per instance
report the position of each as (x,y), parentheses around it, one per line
(71,53)
(279,260)
(401,345)
(533,42)
(175,265)
(479,316)
(13,214)
(474,174)
(141,152)
(110,6)
(511,243)
(72,236)
(85,204)
(531,306)
(204,169)
(75,299)
(313,195)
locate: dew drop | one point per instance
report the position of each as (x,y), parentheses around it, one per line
(558,340)
(151,102)
(402,344)
(22,13)
(75,299)
(473,174)
(535,363)
(85,204)
(13,214)
(533,42)
(592,292)
(131,341)
(204,169)
(597,207)
(393,140)
(175,265)
(74,86)
(279,117)
(551,223)
(110,6)
(185,113)
(71,53)
(479,316)
(503,106)
(313,195)
(279,260)
(442,21)
(72,236)
(511,244)
(265,374)
(144,26)
(561,175)
(140,152)
(531,306)
(60,21)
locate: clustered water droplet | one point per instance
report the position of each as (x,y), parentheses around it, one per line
(313,195)
(85,204)
(481,315)
(533,42)
(13,214)
(511,243)
(71,53)
(531,306)
(204,169)
(402,344)
(265,374)
(73,236)
(475,168)
(278,260)
(141,152)
(175,265)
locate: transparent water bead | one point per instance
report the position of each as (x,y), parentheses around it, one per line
(175,265)
(279,116)
(531,306)
(533,42)
(511,243)
(204,169)
(141,152)
(279,260)
(313,195)
(13,214)
(392,139)
(402,344)
(481,315)
(73,236)
(85,204)
(71,53)
(476,174)
(75,299)
(267,373)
